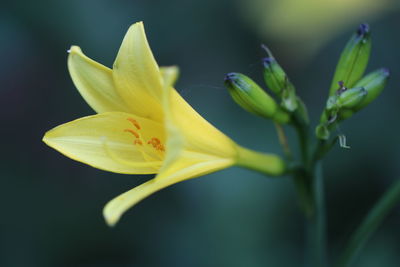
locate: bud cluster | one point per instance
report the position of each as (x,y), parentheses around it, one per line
(251,97)
(354,91)
(350,90)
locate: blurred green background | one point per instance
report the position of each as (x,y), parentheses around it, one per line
(51,206)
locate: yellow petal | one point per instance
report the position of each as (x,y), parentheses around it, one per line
(183,121)
(199,134)
(191,140)
(94,82)
(191,164)
(185,158)
(118,206)
(137,76)
(113,141)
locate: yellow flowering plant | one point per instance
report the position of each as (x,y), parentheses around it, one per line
(143,126)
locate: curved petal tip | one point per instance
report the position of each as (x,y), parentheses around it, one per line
(74,49)
(110,217)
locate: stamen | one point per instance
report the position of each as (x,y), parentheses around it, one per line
(160,147)
(156,143)
(137,142)
(134,122)
(152,164)
(132,132)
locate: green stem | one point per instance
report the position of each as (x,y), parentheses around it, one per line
(309,183)
(319,217)
(302,133)
(269,164)
(370,224)
(283,141)
(303,176)
(302,130)
(315,215)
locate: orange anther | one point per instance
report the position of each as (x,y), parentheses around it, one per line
(134,122)
(132,132)
(137,142)
(156,143)
(151,141)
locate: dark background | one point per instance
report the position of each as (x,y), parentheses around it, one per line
(51,206)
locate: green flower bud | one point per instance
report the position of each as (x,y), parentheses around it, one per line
(351,97)
(289,98)
(278,82)
(322,132)
(373,83)
(274,76)
(332,103)
(353,60)
(302,111)
(345,114)
(328,117)
(253,98)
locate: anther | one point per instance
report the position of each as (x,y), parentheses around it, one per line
(160,147)
(154,141)
(132,132)
(134,122)
(137,142)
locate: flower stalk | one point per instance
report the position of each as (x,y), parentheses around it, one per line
(267,164)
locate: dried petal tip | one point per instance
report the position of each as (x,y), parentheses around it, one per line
(363,29)
(266,49)
(229,77)
(386,71)
(268,61)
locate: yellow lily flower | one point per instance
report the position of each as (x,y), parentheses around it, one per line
(144,126)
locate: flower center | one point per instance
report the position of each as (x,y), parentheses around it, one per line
(157,149)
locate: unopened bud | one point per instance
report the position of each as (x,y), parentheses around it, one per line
(332,103)
(351,97)
(274,76)
(354,59)
(322,132)
(345,114)
(373,83)
(251,97)
(340,105)
(278,82)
